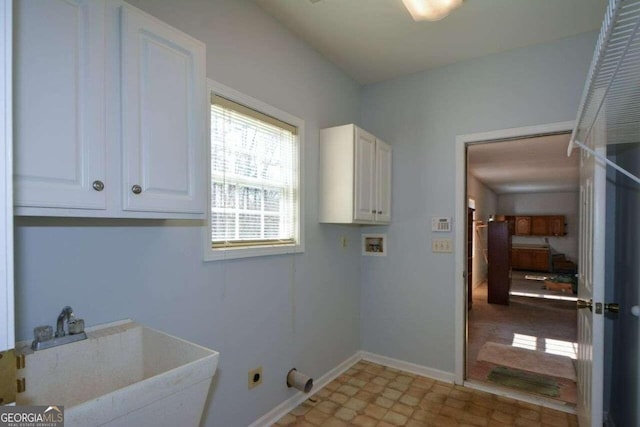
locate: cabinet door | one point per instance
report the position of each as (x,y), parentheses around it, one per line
(164,99)
(540,260)
(526,259)
(523,225)
(364,192)
(383,181)
(59,104)
(515,259)
(556,225)
(540,226)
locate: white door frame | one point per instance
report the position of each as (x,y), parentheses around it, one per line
(7,332)
(460,217)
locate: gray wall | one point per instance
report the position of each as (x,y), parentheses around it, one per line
(408,297)
(564,203)
(278,311)
(623,287)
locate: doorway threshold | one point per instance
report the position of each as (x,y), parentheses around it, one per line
(543,296)
(523,397)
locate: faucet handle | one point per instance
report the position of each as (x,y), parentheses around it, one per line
(76,326)
(42,333)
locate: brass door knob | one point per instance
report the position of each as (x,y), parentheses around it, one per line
(581,303)
(612,307)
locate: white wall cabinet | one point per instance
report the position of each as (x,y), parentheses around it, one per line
(364,191)
(383,185)
(163,93)
(110,113)
(59,104)
(355,177)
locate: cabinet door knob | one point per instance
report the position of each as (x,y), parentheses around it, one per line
(136,189)
(373,211)
(379,212)
(98,185)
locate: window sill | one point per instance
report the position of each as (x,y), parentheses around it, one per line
(251,252)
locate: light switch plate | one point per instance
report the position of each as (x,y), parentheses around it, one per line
(442,245)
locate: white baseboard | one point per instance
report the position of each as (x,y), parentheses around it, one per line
(288,405)
(409,367)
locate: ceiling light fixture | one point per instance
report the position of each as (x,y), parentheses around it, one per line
(430,10)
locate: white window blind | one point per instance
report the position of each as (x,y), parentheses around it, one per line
(254,177)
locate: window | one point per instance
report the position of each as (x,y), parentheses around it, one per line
(255,179)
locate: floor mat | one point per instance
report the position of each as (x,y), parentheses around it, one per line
(525,381)
(528,360)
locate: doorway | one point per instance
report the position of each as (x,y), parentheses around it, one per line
(534,333)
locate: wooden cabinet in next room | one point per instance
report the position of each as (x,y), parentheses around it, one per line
(499,254)
(531,257)
(539,225)
(523,226)
(556,225)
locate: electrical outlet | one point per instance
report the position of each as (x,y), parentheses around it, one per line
(255,377)
(442,246)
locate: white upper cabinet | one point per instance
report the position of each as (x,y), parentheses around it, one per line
(383,184)
(355,177)
(59,104)
(163,76)
(111,113)
(364,184)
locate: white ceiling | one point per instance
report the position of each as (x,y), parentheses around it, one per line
(532,165)
(374,40)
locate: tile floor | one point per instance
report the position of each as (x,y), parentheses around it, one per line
(373,395)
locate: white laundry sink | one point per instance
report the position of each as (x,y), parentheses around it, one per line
(123,374)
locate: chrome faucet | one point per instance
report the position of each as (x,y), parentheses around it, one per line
(65,314)
(44,338)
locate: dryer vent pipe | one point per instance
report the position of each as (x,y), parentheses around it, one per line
(299,381)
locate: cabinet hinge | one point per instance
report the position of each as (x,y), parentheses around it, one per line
(21,385)
(21,361)
(10,384)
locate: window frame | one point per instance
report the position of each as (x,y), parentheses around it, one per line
(252,250)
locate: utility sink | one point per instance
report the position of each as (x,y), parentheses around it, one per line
(123,374)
